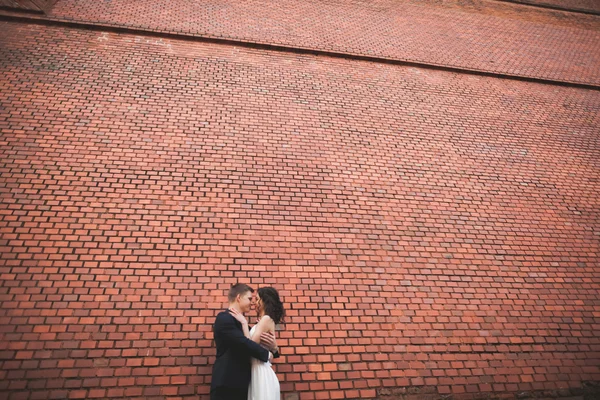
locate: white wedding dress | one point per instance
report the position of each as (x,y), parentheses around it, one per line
(264,384)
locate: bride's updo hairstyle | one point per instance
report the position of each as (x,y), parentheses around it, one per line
(272,305)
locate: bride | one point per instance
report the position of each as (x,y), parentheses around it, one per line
(264,384)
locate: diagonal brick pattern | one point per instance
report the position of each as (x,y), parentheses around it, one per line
(432,233)
(482,35)
(38,6)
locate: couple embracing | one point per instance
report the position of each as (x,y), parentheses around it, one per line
(242,370)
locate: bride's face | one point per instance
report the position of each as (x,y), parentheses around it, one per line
(259,305)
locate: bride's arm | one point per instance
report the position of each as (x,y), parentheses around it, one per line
(240,317)
(246,330)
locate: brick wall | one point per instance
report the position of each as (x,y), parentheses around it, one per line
(586,6)
(481,35)
(431,233)
(38,6)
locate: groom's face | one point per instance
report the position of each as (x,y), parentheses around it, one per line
(246,300)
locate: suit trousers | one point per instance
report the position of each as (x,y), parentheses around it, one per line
(223,393)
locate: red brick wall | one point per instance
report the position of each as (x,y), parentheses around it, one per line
(429,232)
(590,6)
(27,5)
(482,35)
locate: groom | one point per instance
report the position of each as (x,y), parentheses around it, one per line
(231,371)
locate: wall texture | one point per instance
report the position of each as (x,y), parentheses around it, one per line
(431,233)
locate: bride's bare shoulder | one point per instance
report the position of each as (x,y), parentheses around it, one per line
(268,322)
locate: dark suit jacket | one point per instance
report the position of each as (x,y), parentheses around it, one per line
(234,350)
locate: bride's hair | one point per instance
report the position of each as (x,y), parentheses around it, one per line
(272,305)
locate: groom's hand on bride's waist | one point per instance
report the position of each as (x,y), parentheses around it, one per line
(267,339)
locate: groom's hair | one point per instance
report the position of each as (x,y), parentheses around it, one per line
(237,289)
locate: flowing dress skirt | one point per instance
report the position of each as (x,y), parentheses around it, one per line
(264,384)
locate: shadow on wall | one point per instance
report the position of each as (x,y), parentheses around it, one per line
(33,6)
